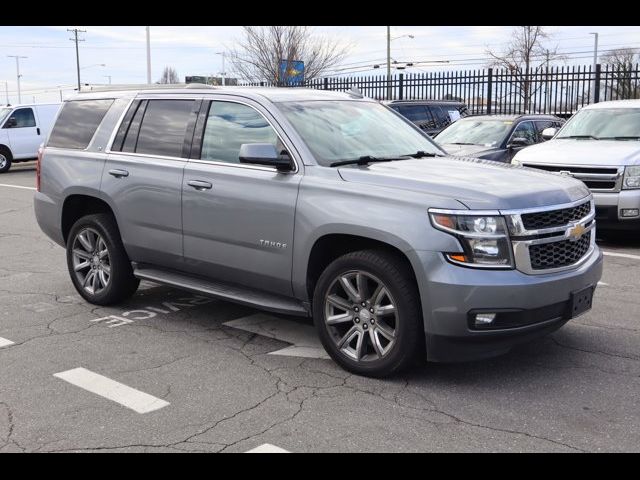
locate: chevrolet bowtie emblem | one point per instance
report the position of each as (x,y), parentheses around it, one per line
(576,232)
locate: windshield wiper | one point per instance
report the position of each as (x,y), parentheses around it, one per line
(580,136)
(461,143)
(366,159)
(421,154)
(625,137)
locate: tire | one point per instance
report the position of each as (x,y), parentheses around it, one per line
(112,280)
(5,159)
(383,346)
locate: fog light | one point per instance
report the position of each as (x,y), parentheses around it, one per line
(485,318)
(630,212)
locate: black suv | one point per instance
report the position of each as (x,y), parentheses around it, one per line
(495,137)
(432,116)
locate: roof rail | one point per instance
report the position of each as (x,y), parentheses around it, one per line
(134,86)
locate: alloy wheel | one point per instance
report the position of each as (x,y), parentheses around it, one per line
(91,263)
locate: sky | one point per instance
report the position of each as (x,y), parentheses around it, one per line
(119,53)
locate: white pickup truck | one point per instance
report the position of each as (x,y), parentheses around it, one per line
(23,129)
(599,145)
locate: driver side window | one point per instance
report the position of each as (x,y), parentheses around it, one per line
(527,131)
(23,118)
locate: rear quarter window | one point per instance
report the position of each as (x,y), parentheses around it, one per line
(77,123)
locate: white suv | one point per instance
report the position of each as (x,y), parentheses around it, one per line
(599,145)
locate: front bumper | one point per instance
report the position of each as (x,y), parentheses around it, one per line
(534,305)
(609,205)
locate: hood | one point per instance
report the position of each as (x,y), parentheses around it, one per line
(567,151)
(479,184)
(467,150)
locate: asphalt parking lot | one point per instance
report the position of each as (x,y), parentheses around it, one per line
(178,372)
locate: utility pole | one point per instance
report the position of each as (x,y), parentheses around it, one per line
(76,40)
(18,57)
(148,56)
(595,62)
(546,88)
(388,63)
(109,77)
(223,73)
(6,91)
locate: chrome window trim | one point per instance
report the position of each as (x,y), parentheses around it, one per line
(197,160)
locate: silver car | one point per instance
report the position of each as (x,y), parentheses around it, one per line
(315,203)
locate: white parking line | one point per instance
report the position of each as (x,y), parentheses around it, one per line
(622,255)
(17,186)
(5,343)
(105,387)
(267,448)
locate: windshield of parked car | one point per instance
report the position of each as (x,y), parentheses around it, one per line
(342,130)
(487,132)
(604,124)
(3,114)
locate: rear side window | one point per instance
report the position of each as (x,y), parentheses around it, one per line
(77,123)
(163,128)
(441,117)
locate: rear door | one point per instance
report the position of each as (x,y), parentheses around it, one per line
(238,218)
(24,134)
(142,178)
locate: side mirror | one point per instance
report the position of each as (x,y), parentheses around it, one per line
(549,133)
(12,122)
(264,154)
(518,142)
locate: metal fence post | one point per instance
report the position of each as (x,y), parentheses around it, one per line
(489,89)
(596,86)
(400,86)
(326,83)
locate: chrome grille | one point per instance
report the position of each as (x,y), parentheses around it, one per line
(559,254)
(555,218)
(597,179)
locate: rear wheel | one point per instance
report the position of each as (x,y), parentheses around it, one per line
(367,313)
(98,264)
(5,159)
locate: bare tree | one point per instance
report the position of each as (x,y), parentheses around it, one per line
(524,56)
(169,75)
(623,86)
(259,55)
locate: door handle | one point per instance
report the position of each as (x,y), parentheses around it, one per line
(199,185)
(118,173)
(38,130)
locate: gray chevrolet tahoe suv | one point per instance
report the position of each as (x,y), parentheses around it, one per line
(315,203)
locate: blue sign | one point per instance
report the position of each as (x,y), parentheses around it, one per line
(292,72)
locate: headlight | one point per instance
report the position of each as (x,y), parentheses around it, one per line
(484,238)
(515,162)
(631,178)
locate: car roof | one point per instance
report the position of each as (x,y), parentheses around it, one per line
(513,117)
(613,104)
(419,102)
(273,94)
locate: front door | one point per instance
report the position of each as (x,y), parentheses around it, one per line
(24,135)
(237,218)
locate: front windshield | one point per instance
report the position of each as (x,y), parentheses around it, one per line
(3,114)
(341,130)
(487,132)
(604,123)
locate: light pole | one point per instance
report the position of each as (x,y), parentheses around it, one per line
(148,56)
(223,73)
(18,57)
(6,91)
(595,61)
(389,40)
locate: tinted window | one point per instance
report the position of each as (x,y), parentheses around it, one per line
(441,117)
(415,113)
(24,118)
(131,138)
(525,130)
(77,123)
(229,125)
(163,127)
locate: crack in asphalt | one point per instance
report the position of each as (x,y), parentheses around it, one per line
(595,352)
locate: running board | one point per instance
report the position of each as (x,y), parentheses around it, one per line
(222,291)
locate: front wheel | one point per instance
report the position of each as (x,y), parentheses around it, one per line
(5,160)
(367,312)
(98,264)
